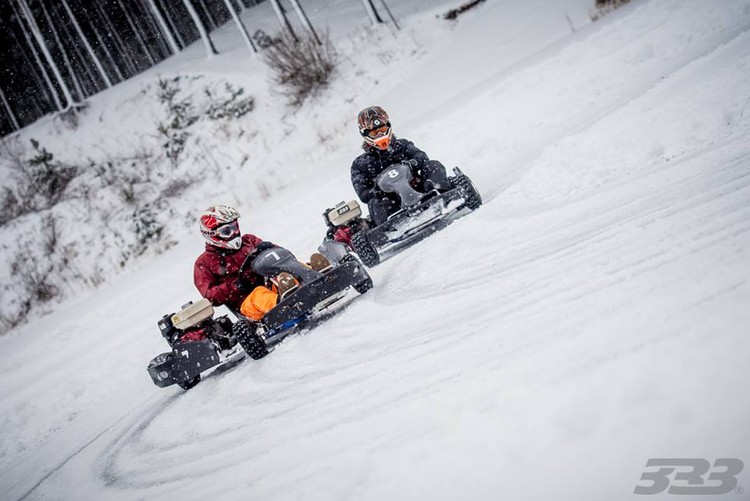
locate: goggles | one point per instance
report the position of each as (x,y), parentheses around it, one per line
(376,131)
(227,231)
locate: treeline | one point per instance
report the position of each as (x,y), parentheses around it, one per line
(56,53)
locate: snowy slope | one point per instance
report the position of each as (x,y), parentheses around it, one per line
(592,315)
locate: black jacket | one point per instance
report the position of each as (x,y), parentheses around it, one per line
(367,166)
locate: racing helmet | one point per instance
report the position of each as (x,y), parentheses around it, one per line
(219,227)
(375,127)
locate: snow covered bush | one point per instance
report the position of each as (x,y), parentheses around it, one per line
(38,182)
(145,225)
(604,7)
(263,39)
(33,268)
(228,103)
(180,116)
(82,206)
(454,13)
(301,67)
(47,178)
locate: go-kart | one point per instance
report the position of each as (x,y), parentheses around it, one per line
(201,342)
(420,214)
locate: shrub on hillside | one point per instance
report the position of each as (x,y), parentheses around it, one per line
(180,116)
(604,7)
(263,40)
(39,181)
(145,226)
(231,103)
(454,13)
(48,178)
(84,219)
(228,102)
(300,68)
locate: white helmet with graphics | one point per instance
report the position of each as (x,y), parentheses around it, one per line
(220,228)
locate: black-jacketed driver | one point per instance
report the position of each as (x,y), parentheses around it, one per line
(383,149)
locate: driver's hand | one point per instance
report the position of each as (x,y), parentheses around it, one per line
(258,249)
(243,286)
(369,194)
(263,246)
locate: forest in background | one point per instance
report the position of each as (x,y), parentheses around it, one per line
(56,53)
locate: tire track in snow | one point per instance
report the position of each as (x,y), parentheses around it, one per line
(579,119)
(721,216)
(122,421)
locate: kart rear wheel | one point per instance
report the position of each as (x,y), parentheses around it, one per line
(186,385)
(463,183)
(253,345)
(365,250)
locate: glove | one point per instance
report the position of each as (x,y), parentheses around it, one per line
(369,194)
(413,163)
(246,265)
(263,246)
(243,286)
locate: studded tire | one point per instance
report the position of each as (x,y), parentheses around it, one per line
(365,250)
(363,286)
(186,385)
(253,345)
(463,183)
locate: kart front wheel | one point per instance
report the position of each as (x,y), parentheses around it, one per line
(363,286)
(253,345)
(186,385)
(473,199)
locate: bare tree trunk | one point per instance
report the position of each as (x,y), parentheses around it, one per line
(390,15)
(119,46)
(372,12)
(9,111)
(38,60)
(38,80)
(66,60)
(158,48)
(79,60)
(45,50)
(240,26)
(283,20)
(211,21)
(175,28)
(103,45)
(136,31)
(210,49)
(86,43)
(304,20)
(163,26)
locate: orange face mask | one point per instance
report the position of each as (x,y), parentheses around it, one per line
(382,142)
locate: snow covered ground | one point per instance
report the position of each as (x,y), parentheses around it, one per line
(592,315)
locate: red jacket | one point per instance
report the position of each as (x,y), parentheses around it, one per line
(215,273)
